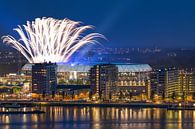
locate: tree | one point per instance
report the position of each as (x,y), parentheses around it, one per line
(72,94)
(43,94)
(90,94)
(152,95)
(61,82)
(53,94)
(120,94)
(79,82)
(110,95)
(63,94)
(193,96)
(173,95)
(130,95)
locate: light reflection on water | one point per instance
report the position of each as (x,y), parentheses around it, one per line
(101,118)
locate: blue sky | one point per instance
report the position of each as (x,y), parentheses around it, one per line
(132,23)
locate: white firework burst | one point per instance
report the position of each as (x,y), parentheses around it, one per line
(50,40)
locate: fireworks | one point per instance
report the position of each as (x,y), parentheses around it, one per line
(50,40)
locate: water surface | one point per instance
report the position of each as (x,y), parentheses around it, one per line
(100,118)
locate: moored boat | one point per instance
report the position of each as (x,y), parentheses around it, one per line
(181,107)
(22,112)
(14,105)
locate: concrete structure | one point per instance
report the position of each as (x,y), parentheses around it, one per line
(164,82)
(103,80)
(132,78)
(44,78)
(67,74)
(186,83)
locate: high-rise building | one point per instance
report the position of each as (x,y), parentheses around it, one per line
(155,88)
(132,79)
(165,83)
(186,83)
(44,78)
(103,80)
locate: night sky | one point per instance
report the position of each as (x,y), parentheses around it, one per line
(132,23)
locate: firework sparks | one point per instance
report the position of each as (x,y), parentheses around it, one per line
(50,40)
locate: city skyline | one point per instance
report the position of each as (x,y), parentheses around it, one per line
(137,72)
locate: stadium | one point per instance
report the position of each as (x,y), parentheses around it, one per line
(132,78)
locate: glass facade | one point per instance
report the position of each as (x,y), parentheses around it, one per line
(186,83)
(103,79)
(44,79)
(132,78)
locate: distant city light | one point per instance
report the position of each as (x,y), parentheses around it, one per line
(50,40)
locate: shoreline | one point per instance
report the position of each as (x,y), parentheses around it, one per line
(133,105)
(88,104)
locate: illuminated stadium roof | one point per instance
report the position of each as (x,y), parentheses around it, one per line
(134,68)
(86,68)
(64,68)
(77,68)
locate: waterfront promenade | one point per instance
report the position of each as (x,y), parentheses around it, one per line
(88,104)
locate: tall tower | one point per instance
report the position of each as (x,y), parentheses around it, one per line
(44,78)
(103,80)
(187,83)
(165,82)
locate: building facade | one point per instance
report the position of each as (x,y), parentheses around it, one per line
(103,80)
(165,83)
(134,80)
(187,83)
(44,78)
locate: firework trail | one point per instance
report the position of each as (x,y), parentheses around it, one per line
(50,40)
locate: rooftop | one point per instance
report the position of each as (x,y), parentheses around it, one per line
(86,68)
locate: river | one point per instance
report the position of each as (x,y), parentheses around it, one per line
(100,118)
